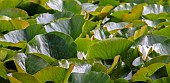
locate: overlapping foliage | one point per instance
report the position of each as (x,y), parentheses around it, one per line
(84,41)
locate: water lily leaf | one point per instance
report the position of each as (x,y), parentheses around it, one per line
(90,77)
(77,23)
(160,59)
(156,16)
(140,32)
(5,18)
(126,6)
(153,8)
(24,35)
(168,69)
(30,63)
(80,66)
(3,54)
(154,23)
(67,26)
(121,70)
(134,15)
(161,80)
(3,73)
(121,80)
(100,33)
(83,44)
(115,26)
(13,80)
(64,5)
(142,1)
(159,44)
(98,67)
(144,73)
(108,48)
(13,24)
(89,7)
(109,2)
(163,32)
(23,76)
(47,18)
(118,14)
(32,8)
(101,13)
(5,4)
(60,76)
(87,27)
(54,44)
(13,12)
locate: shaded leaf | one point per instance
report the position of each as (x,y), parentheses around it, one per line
(54,44)
(30,63)
(90,77)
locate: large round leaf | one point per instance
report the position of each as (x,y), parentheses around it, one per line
(9,3)
(30,63)
(55,44)
(13,12)
(108,48)
(154,8)
(160,59)
(47,18)
(65,5)
(144,73)
(115,26)
(24,35)
(90,77)
(24,78)
(54,74)
(67,26)
(158,43)
(14,24)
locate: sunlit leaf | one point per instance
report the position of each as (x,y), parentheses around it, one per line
(108,48)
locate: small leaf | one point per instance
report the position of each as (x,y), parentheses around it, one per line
(140,32)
